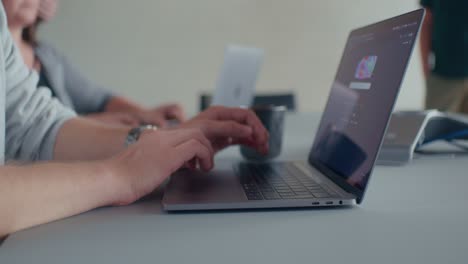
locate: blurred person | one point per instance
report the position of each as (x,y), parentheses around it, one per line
(66,82)
(444,50)
(112,165)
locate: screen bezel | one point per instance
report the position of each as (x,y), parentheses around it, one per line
(330,173)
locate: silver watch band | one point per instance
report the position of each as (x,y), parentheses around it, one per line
(135,133)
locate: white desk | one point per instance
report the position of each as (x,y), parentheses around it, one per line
(412,214)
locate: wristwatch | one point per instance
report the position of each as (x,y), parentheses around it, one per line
(135,133)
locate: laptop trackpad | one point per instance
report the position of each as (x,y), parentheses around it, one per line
(193,187)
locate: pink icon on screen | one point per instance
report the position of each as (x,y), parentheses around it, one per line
(366,67)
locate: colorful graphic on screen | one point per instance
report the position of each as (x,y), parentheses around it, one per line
(366,67)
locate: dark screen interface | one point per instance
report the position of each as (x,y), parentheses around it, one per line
(362,98)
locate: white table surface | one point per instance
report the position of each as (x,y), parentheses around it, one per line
(416,213)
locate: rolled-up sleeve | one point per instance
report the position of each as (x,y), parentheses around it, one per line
(33,118)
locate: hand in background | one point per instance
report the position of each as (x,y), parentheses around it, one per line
(115,118)
(160,115)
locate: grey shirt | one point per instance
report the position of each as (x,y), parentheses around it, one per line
(70,86)
(29,118)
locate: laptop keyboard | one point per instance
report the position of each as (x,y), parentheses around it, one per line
(280,181)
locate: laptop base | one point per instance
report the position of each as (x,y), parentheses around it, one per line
(224,189)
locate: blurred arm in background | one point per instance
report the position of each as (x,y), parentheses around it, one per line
(426,41)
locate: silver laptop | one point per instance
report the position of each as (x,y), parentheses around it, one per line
(236,83)
(342,157)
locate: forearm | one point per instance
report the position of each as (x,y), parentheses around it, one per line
(36,194)
(84,139)
(121,104)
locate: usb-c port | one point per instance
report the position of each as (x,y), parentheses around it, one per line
(330,202)
(315,203)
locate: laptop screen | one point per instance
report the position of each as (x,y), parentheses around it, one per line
(362,99)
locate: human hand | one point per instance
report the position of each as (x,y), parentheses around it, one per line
(115,118)
(225,126)
(161,114)
(146,164)
(47,9)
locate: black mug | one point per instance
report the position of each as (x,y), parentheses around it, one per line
(272,117)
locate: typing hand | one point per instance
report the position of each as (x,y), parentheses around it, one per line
(146,164)
(225,126)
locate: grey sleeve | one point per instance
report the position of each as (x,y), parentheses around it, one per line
(33,118)
(87,96)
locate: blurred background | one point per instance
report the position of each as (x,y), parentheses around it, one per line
(156,51)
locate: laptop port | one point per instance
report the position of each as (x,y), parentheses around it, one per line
(341,202)
(329,202)
(315,203)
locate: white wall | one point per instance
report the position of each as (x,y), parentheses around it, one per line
(169,50)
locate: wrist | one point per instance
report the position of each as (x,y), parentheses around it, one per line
(116,190)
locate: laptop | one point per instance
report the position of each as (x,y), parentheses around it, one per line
(236,83)
(350,134)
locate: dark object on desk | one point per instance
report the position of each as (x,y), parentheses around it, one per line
(410,130)
(281,99)
(272,118)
